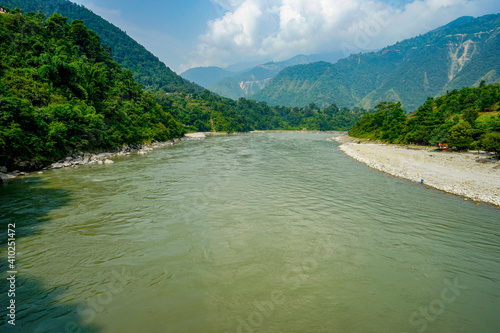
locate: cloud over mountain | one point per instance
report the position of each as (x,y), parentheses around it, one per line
(278,29)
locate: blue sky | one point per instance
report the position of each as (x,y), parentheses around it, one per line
(191,33)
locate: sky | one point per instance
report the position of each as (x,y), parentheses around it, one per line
(193,33)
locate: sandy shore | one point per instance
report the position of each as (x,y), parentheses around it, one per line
(453,172)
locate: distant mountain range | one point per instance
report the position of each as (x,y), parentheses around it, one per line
(234,84)
(146,67)
(461,53)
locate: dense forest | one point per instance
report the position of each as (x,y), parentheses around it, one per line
(61,92)
(464,119)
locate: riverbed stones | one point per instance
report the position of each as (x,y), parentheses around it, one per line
(76,159)
(452,172)
(56,166)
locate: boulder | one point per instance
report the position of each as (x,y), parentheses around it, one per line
(57,166)
(106,161)
(3,169)
(195,136)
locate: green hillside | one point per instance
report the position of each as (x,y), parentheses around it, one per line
(60,91)
(147,68)
(459,54)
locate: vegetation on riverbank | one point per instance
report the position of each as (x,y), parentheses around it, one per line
(465,119)
(60,91)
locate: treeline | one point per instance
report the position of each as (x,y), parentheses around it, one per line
(465,119)
(60,91)
(210,112)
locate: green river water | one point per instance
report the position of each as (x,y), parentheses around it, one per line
(274,232)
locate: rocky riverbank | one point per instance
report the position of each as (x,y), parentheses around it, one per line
(79,159)
(469,174)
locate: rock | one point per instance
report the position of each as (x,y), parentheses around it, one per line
(3,169)
(69,158)
(67,164)
(195,136)
(40,172)
(99,162)
(142,152)
(57,166)
(106,161)
(22,164)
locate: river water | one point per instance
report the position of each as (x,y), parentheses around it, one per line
(274,232)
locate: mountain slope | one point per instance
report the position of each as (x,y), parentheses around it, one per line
(60,92)
(459,54)
(147,68)
(206,76)
(235,85)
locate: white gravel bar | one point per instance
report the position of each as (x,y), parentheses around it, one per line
(452,172)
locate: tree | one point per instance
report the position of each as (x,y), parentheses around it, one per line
(461,135)
(491,142)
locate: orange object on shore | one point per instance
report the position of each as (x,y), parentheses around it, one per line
(443,145)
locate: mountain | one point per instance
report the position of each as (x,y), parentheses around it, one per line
(461,53)
(235,85)
(147,68)
(206,76)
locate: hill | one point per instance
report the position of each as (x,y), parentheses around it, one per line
(61,92)
(459,54)
(147,68)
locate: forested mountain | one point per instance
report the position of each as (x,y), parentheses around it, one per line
(147,68)
(235,85)
(465,119)
(459,54)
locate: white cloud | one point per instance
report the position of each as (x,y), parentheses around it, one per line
(279,29)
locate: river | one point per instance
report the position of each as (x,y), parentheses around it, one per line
(273,232)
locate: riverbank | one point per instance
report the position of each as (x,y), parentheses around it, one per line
(80,159)
(467,174)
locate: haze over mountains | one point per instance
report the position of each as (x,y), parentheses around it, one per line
(244,83)
(461,53)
